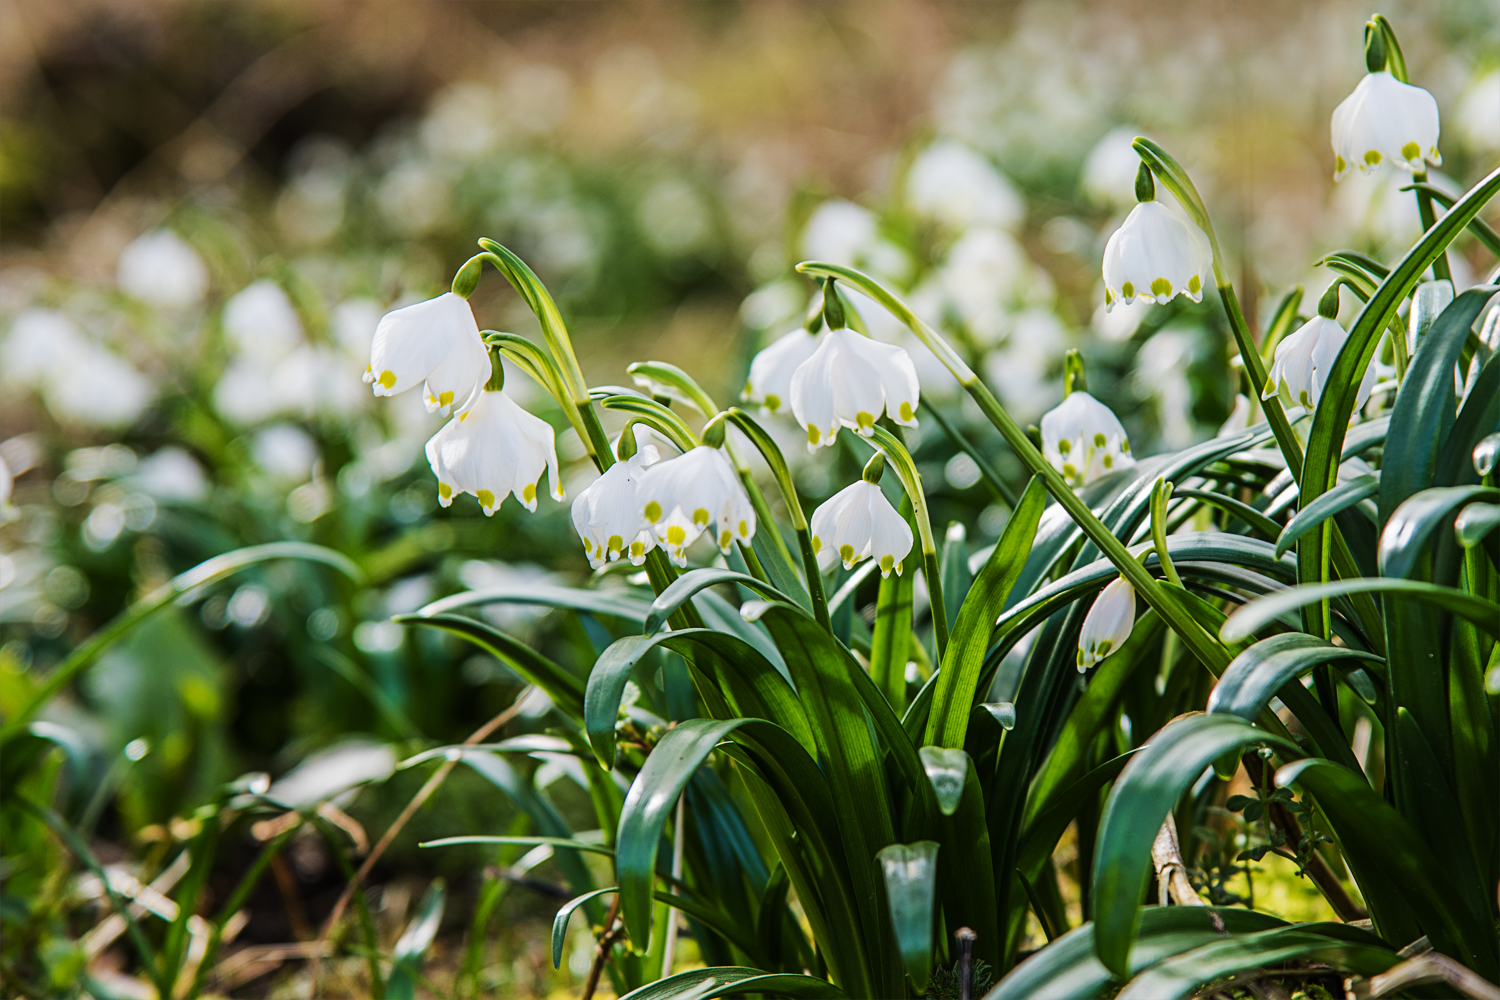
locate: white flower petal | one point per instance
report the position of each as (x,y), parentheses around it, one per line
(859,523)
(770,381)
(848,382)
(1108,623)
(493,450)
(411,343)
(697,491)
(1385,120)
(1155,255)
(1084,440)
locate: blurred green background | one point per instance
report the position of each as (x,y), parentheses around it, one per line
(661,165)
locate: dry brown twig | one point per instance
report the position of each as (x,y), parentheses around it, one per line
(615,929)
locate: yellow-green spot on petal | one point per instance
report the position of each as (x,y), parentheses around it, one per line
(1064,446)
(1411,151)
(1104,647)
(1125,446)
(445,491)
(1339,166)
(1128,290)
(700,517)
(616,543)
(906,411)
(1373,157)
(445,398)
(1195,284)
(1069,470)
(675,535)
(1109,461)
(886,563)
(846,552)
(387,378)
(1109,297)
(1099,440)
(1160,287)
(744,528)
(637,549)
(463,416)
(812,434)
(486,498)
(529,493)
(817,544)
(773,402)
(866,421)
(653,512)
(724,539)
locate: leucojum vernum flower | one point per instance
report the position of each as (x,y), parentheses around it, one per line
(1154,254)
(859,523)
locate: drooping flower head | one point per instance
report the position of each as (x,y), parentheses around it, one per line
(1303,361)
(494,449)
(1154,255)
(770,383)
(849,380)
(608,515)
(1083,439)
(859,523)
(1385,120)
(695,492)
(1108,623)
(436,342)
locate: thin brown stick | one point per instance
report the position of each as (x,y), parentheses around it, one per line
(615,928)
(432,785)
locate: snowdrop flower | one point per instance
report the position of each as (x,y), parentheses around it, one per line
(1385,119)
(1108,623)
(161,269)
(840,232)
(771,371)
(1302,363)
(847,382)
(607,516)
(1084,440)
(859,523)
(260,323)
(100,389)
(956,186)
(1154,255)
(493,449)
(41,342)
(436,341)
(697,491)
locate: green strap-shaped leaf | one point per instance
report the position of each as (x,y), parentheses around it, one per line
(966,875)
(562,842)
(207,572)
(729,980)
(1341,497)
(573,599)
(954,569)
(1246,513)
(1262,611)
(606,684)
(958,681)
(1340,392)
(1146,792)
(1330,944)
(411,950)
(1069,967)
(910,890)
(1413,523)
(1474,522)
(1039,835)
(1406,888)
(1256,675)
(946,770)
(564,687)
(691,582)
(564,914)
(716,920)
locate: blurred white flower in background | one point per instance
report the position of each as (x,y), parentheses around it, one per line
(1385,120)
(261,323)
(162,269)
(1161,376)
(1019,370)
(284,452)
(1119,324)
(840,232)
(1109,172)
(1373,207)
(41,342)
(99,389)
(983,275)
(959,188)
(353,322)
(1239,417)
(1478,115)
(674,217)
(171,474)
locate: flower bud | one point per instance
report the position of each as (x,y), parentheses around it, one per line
(1108,623)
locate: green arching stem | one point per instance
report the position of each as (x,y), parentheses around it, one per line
(1161,493)
(1203,645)
(911,481)
(782,474)
(1440,269)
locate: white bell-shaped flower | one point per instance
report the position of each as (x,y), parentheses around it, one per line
(1155,255)
(847,382)
(437,342)
(695,492)
(859,523)
(1385,120)
(607,516)
(1304,358)
(770,383)
(1108,623)
(492,449)
(162,269)
(1083,439)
